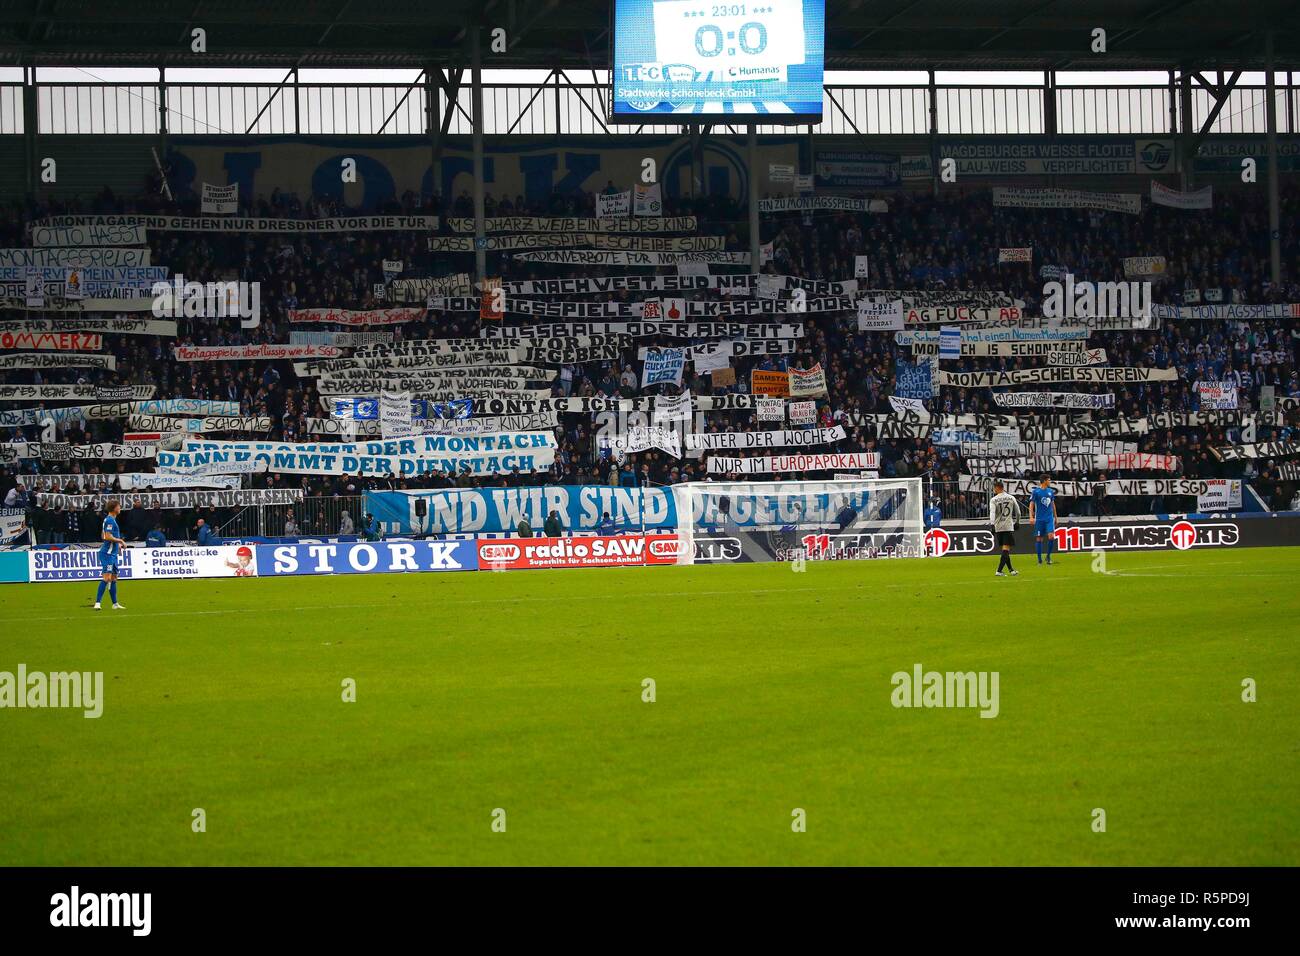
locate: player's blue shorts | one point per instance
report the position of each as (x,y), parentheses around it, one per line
(1044,527)
(108,564)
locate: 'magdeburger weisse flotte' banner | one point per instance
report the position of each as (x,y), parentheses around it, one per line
(1052,375)
(351,317)
(242,498)
(783,438)
(499,453)
(786,464)
(245,223)
(245,353)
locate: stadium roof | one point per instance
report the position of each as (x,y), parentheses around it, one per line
(861,34)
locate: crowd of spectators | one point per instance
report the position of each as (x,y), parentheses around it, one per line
(949,243)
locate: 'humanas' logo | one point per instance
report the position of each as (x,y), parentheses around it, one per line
(1090,300)
(179,299)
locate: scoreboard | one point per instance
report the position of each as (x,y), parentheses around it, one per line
(748,60)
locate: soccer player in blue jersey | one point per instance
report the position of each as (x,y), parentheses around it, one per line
(1042,512)
(109,552)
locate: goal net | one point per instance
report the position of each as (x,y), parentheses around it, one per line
(788,520)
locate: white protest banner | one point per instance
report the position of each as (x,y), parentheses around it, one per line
(212,423)
(821,204)
(643,437)
(482,426)
(649,199)
(246,224)
(663,366)
(1145,266)
(1080,357)
(34,289)
(64,258)
(676,330)
(1061,337)
(1054,375)
(350,317)
(579,224)
(880,316)
(770,409)
(392,267)
(1054,400)
(145,481)
(802,413)
(342,339)
(614,204)
(1221,494)
(172,500)
(548,242)
(1005,439)
(903,406)
(805,382)
(944,314)
(1126,487)
(21,331)
(184,406)
(598,257)
(949,342)
(92,235)
(246,353)
(223,465)
(1029,198)
(673,408)
(780,172)
(928,348)
(712,355)
(46,360)
(419,289)
(1217,395)
(706,441)
(1202,198)
(1019,254)
(220,200)
(498,355)
(44,393)
(493,454)
(1272,449)
(784,464)
(63,451)
(860,267)
(395,414)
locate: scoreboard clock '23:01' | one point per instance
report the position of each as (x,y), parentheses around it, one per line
(675,60)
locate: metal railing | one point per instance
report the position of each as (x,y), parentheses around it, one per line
(316,517)
(564,106)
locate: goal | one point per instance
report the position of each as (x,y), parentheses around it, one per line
(845,519)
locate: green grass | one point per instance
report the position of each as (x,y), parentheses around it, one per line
(522,690)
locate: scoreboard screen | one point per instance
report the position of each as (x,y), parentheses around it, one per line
(678,60)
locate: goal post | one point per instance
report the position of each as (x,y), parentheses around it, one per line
(845,519)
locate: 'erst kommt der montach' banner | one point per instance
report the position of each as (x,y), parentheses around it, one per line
(478,454)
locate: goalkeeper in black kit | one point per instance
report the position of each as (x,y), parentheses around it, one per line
(1005,512)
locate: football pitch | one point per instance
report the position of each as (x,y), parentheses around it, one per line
(773,692)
